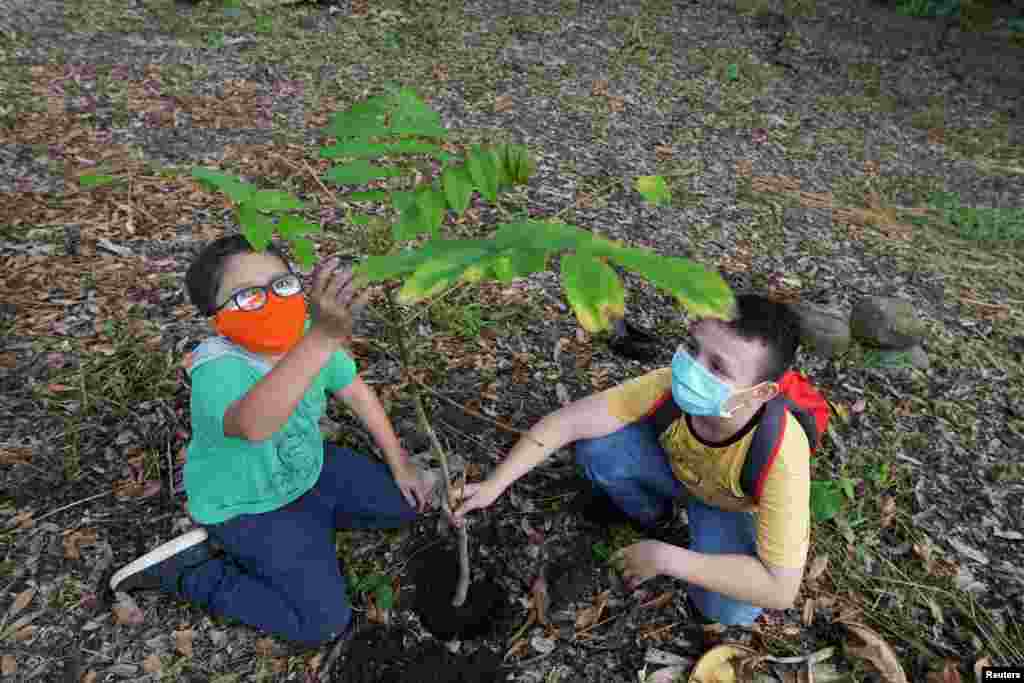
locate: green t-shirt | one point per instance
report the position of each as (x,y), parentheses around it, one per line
(226,477)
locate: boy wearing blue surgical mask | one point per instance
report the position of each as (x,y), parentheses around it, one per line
(744,555)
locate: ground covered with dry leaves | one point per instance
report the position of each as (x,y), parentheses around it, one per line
(802,178)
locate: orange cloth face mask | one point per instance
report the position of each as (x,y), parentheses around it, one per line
(272,330)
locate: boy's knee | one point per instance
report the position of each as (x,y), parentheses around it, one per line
(724,610)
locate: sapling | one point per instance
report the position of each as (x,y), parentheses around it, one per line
(399,125)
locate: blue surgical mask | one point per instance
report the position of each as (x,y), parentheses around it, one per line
(696,391)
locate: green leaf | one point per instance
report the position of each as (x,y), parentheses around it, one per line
(410,219)
(518,166)
(847,486)
(359,173)
(274,200)
(484,173)
(358,149)
(432,208)
(594,291)
(516,263)
(238,192)
(305,251)
(89,180)
(362,120)
(443,157)
(732,72)
(354,149)
(385,595)
(256,227)
(390,266)
(458,188)
(414,117)
(550,236)
(653,189)
(437,274)
(362,219)
(293,226)
(371,196)
(702,291)
(826,501)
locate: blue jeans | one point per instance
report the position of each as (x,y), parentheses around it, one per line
(633,469)
(280,572)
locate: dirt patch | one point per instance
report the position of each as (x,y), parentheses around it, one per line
(379,655)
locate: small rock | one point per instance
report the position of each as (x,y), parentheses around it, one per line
(887,323)
(825,331)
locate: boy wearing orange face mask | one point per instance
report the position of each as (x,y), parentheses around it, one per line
(260,480)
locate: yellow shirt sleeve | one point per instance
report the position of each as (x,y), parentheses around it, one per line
(632,400)
(784,511)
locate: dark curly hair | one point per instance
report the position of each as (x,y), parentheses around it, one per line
(204,275)
(772,323)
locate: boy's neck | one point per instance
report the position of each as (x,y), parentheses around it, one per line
(721,429)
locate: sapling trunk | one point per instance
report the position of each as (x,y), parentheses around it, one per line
(462,587)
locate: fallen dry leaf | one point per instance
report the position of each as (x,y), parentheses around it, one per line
(539,598)
(600,88)
(660,601)
(8,667)
(21,601)
(183,641)
(616,103)
(126,612)
(517,648)
(89,677)
(502,103)
(152,664)
(24,634)
(808,612)
(15,455)
(314,663)
(588,616)
(264,647)
(888,510)
(279,665)
(873,648)
(664,152)
(817,567)
(979,665)
(950,673)
(74,541)
(376,614)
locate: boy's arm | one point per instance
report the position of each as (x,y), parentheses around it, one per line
(741,577)
(362,400)
(267,406)
(587,418)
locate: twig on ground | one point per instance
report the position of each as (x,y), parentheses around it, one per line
(51,513)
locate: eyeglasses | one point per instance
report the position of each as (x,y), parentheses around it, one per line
(255,298)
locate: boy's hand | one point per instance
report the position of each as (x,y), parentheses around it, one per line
(640,562)
(333,301)
(476,497)
(414,487)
